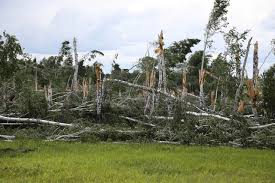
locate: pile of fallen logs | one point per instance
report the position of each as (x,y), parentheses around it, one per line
(196,126)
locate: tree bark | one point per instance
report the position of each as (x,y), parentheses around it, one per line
(255,79)
(32,120)
(75,78)
(202,100)
(7,137)
(35,80)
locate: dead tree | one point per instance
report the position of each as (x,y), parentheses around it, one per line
(31,120)
(240,87)
(7,137)
(75,77)
(162,82)
(254,93)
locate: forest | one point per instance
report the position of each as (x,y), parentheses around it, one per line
(183,112)
(172,96)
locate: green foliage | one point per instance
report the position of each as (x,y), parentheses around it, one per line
(32,103)
(269,90)
(65,54)
(10,49)
(217,19)
(177,51)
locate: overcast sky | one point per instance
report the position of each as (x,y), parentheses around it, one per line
(127,26)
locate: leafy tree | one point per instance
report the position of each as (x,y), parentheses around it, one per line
(216,22)
(10,49)
(177,51)
(65,54)
(269,90)
(147,63)
(234,42)
(222,77)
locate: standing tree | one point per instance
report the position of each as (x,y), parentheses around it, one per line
(216,22)
(65,54)
(175,54)
(269,90)
(10,49)
(234,43)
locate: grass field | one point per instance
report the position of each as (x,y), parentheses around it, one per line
(39,161)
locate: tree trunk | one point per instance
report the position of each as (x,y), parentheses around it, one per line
(48,93)
(35,80)
(238,64)
(216,95)
(98,91)
(255,79)
(201,74)
(184,83)
(85,88)
(75,79)
(31,120)
(240,87)
(4,104)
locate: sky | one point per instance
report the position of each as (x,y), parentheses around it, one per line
(127,27)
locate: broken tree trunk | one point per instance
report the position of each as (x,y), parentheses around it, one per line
(48,93)
(201,73)
(207,114)
(262,126)
(85,88)
(150,98)
(7,137)
(31,120)
(240,87)
(255,79)
(216,95)
(137,121)
(35,80)
(98,90)
(162,84)
(161,63)
(75,77)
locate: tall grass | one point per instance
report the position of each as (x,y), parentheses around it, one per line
(84,162)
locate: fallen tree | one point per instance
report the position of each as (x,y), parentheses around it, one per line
(32,120)
(152,90)
(262,126)
(207,114)
(137,121)
(7,137)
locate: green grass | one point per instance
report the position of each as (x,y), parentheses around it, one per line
(106,162)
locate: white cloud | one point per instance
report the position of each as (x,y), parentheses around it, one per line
(126,26)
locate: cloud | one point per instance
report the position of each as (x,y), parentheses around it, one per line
(127,26)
